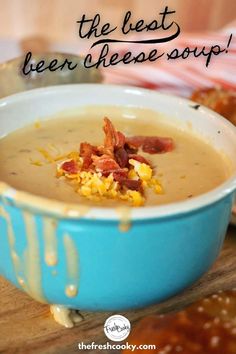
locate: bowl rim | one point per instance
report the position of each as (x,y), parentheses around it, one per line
(63,210)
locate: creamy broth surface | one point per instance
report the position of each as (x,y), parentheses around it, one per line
(192,168)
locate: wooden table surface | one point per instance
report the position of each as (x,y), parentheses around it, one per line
(27,326)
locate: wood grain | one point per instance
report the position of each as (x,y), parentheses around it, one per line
(27,326)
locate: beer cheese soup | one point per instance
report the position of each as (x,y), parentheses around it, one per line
(129,157)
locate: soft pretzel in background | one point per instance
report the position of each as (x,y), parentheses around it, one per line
(219,100)
(206,327)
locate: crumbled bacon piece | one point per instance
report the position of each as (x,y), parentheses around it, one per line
(139,158)
(158,145)
(110,133)
(130,149)
(120,139)
(121,157)
(119,175)
(135,142)
(102,150)
(151,144)
(70,167)
(113,138)
(86,152)
(133,184)
(105,163)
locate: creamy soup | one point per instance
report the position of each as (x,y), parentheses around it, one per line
(192,168)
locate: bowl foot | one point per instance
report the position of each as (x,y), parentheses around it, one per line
(66,317)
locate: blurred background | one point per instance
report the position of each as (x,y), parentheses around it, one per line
(55,20)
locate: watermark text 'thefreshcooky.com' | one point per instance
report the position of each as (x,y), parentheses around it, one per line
(109,346)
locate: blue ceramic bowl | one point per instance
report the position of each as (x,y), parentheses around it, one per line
(65,254)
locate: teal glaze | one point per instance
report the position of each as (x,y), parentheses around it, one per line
(154,260)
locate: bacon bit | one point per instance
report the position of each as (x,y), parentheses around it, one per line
(110,134)
(105,163)
(118,175)
(102,150)
(158,145)
(139,158)
(120,139)
(151,144)
(133,184)
(113,138)
(70,166)
(121,157)
(86,152)
(135,141)
(130,149)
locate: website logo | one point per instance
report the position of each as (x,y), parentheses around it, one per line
(117,328)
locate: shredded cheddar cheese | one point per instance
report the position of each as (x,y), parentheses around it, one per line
(96,187)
